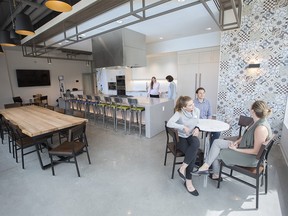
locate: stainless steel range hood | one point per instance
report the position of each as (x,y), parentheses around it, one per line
(122,47)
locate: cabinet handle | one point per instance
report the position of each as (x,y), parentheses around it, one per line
(196,77)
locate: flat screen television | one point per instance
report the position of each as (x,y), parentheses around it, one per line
(26,78)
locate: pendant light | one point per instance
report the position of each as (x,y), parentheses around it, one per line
(1,50)
(23,25)
(16,38)
(5,39)
(59,5)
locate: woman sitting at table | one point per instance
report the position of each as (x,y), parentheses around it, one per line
(243,151)
(185,120)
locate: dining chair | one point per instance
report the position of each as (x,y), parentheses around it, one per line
(22,141)
(244,121)
(70,149)
(172,142)
(44,100)
(18,99)
(64,134)
(261,170)
(3,129)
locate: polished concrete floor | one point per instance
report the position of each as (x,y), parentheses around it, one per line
(127,177)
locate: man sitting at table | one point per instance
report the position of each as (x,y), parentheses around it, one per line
(205,110)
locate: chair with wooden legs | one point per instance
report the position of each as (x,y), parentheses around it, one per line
(70,149)
(261,170)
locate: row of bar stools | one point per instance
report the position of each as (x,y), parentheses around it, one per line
(135,109)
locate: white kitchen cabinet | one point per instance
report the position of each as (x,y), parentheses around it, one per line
(199,68)
(159,66)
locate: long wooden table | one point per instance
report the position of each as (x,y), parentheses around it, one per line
(36,121)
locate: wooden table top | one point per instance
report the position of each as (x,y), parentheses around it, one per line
(35,120)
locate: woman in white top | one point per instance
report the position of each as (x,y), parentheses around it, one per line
(153,91)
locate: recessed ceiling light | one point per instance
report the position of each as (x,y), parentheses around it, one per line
(208,29)
(181,0)
(60,43)
(161,38)
(119,21)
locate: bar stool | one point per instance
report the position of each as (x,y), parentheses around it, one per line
(90,103)
(81,103)
(72,101)
(120,106)
(134,108)
(110,110)
(102,107)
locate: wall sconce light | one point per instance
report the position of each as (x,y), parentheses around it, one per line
(59,5)
(23,25)
(253,70)
(49,60)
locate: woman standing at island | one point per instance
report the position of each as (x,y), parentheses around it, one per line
(153,90)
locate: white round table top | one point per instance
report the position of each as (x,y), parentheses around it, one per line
(212,125)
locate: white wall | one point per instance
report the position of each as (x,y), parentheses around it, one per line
(13,59)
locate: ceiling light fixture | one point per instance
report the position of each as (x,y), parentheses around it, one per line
(13,35)
(5,39)
(1,50)
(23,25)
(59,5)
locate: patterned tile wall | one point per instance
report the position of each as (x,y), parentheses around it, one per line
(262,38)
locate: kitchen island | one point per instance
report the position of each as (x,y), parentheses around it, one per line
(157,111)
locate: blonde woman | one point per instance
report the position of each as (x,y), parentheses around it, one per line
(243,151)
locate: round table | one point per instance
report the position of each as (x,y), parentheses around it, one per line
(211,125)
(208,126)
